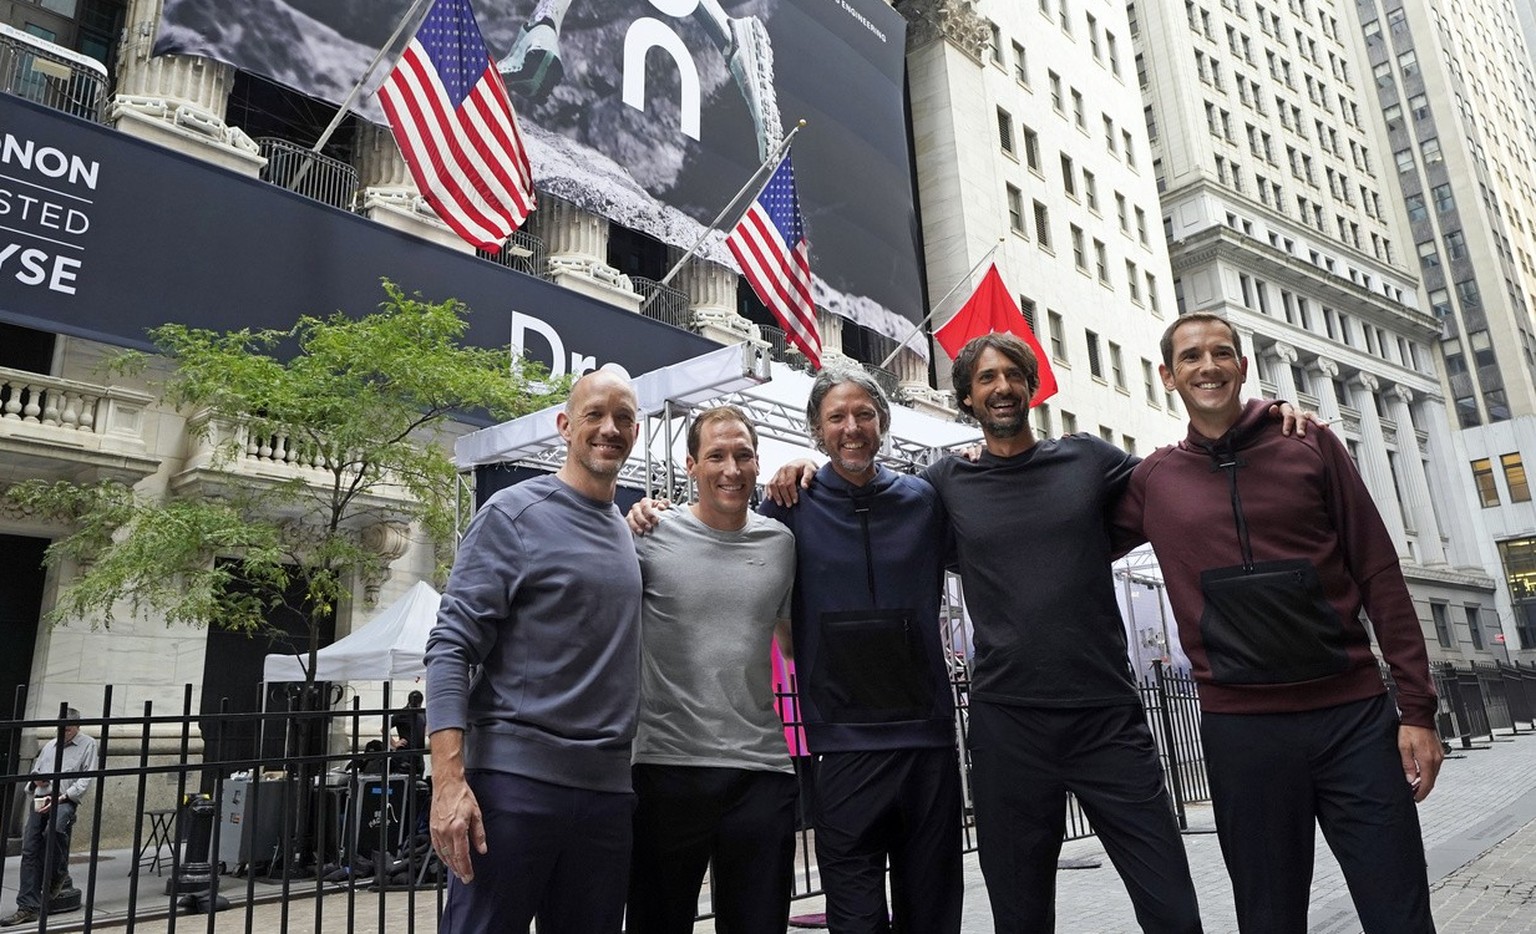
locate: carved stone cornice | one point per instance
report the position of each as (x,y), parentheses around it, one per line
(954,21)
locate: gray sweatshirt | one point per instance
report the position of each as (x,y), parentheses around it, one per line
(536,649)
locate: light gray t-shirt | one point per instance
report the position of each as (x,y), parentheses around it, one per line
(710,604)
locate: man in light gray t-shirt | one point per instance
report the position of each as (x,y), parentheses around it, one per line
(712,771)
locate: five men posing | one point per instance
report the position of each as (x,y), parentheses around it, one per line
(549,618)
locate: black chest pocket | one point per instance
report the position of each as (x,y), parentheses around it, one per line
(869,668)
(1269,623)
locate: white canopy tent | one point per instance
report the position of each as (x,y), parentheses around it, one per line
(738,375)
(388,648)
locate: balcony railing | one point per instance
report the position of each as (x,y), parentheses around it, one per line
(51,75)
(55,427)
(289,165)
(524,252)
(661,302)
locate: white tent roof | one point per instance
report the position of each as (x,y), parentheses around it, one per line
(389,647)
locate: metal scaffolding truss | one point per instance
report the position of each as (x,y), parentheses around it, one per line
(738,375)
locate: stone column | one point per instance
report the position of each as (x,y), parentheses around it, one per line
(178,101)
(1250,343)
(1415,483)
(1449,487)
(1325,371)
(388,194)
(711,290)
(577,244)
(1374,467)
(1285,385)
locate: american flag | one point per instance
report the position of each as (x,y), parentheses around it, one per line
(769,244)
(454,124)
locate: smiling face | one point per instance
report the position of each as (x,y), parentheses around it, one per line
(848,429)
(725,472)
(599,426)
(1208,374)
(999,394)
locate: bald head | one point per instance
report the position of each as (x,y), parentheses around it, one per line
(598,381)
(600,423)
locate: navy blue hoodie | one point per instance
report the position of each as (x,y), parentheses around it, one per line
(869,568)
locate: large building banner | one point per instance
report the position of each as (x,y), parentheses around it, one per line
(655,112)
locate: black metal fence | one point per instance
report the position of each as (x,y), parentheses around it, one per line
(1481,698)
(296,835)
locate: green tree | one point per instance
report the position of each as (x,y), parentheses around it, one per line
(362,409)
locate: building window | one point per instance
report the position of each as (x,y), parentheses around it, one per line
(1101,261)
(1442,624)
(1116,366)
(1404,159)
(1149,381)
(1068,423)
(1431,150)
(1042,226)
(1474,627)
(1095,365)
(1079,117)
(1514,478)
(1058,339)
(1444,200)
(1055,82)
(1482,478)
(1020,64)
(1416,209)
(1079,248)
(1005,130)
(1455,244)
(1133,281)
(1091,191)
(1031,149)
(1068,176)
(1141,227)
(1016,211)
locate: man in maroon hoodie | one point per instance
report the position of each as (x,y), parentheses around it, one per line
(1271,552)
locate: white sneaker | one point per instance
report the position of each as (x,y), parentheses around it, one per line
(751,62)
(533,68)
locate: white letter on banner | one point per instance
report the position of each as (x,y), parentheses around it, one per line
(522,324)
(645,34)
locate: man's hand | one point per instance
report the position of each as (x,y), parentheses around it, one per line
(456,825)
(1295,420)
(456,821)
(646,515)
(790,479)
(1422,755)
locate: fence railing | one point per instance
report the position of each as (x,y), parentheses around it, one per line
(662,302)
(51,75)
(1481,698)
(289,818)
(315,176)
(523,251)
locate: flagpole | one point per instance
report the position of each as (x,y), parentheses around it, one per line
(772,160)
(966,278)
(411,16)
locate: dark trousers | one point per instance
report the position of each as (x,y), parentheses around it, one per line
(686,817)
(554,853)
(901,805)
(1274,777)
(43,864)
(1024,760)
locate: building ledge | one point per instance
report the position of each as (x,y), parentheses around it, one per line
(59,429)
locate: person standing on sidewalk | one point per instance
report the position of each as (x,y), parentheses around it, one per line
(532,808)
(874,691)
(1053,708)
(712,775)
(45,840)
(1271,549)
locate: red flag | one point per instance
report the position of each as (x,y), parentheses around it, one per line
(454,124)
(991,308)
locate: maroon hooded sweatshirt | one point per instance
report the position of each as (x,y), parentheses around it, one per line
(1302,498)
